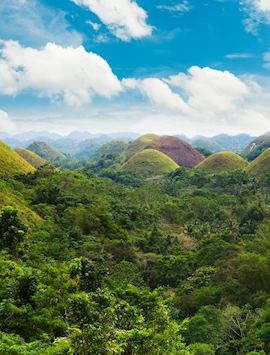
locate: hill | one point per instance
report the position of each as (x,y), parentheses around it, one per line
(12,163)
(46,151)
(113,148)
(144,142)
(32,158)
(180,151)
(221,162)
(257,147)
(261,165)
(149,163)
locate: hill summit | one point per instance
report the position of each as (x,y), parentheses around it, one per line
(180,151)
(222,162)
(146,141)
(150,163)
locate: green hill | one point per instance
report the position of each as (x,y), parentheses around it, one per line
(221,162)
(149,163)
(46,151)
(144,142)
(32,158)
(12,163)
(257,147)
(260,166)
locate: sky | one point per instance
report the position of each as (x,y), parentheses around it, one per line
(194,67)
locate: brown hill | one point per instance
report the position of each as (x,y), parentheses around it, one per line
(180,151)
(32,158)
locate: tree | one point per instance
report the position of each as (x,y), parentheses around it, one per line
(12,229)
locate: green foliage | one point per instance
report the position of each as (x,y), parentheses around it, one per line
(116,264)
(204,151)
(11,229)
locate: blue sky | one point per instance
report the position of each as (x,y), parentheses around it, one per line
(166,66)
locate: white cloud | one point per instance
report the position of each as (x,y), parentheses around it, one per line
(35,24)
(258,11)
(57,72)
(266,58)
(262,5)
(204,101)
(6,123)
(183,6)
(211,91)
(158,92)
(239,55)
(94,25)
(124,18)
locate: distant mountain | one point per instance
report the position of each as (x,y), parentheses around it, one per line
(33,135)
(223,142)
(79,136)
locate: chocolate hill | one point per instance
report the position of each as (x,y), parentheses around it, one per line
(222,162)
(180,151)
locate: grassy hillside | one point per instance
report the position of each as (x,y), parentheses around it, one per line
(12,163)
(180,151)
(32,158)
(144,142)
(46,151)
(9,197)
(222,162)
(260,166)
(150,163)
(257,147)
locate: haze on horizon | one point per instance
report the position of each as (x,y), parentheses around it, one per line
(165,66)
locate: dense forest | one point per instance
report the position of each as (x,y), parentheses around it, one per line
(97,260)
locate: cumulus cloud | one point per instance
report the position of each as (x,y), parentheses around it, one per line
(57,72)
(124,18)
(206,101)
(158,92)
(210,91)
(6,123)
